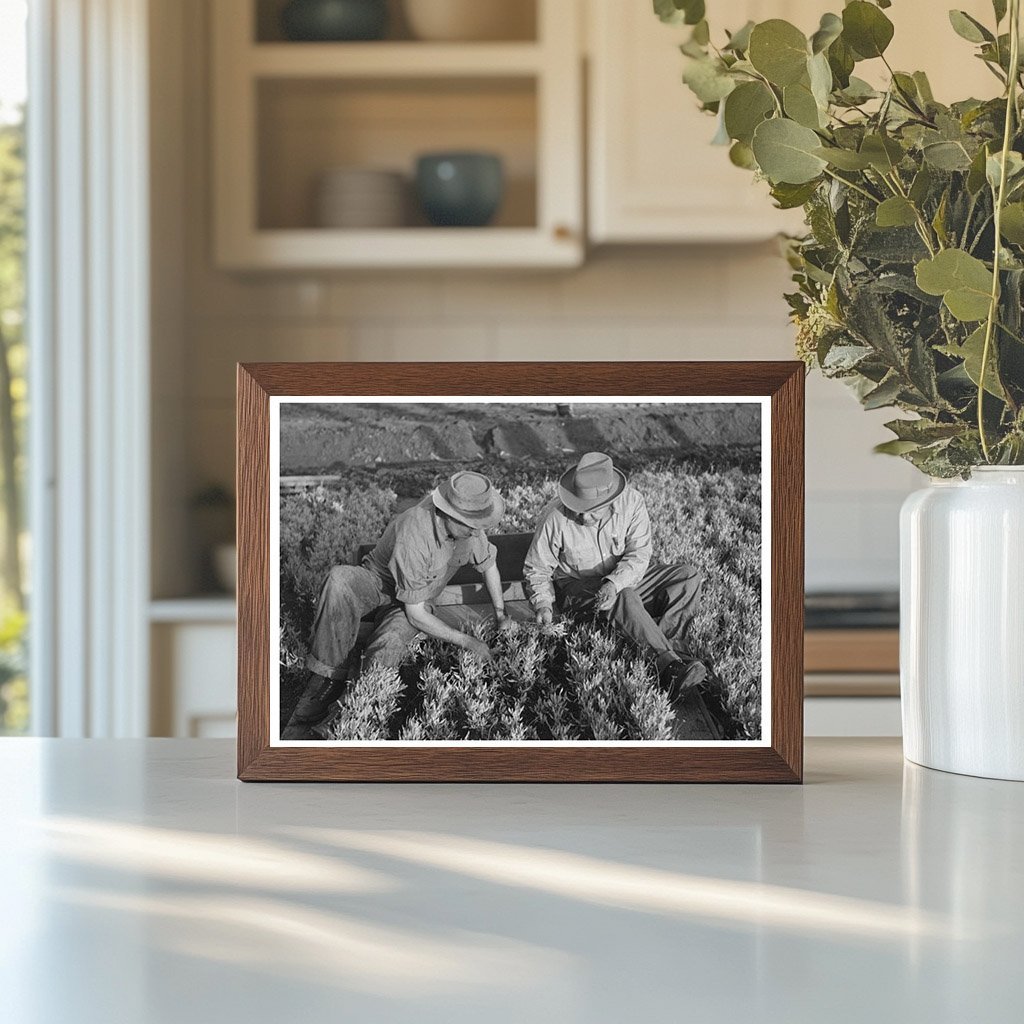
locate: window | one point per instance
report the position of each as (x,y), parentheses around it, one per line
(14,549)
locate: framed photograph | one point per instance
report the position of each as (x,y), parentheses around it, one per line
(517,572)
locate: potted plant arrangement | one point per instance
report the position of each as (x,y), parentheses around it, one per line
(908,288)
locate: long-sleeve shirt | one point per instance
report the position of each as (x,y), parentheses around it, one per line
(415,558)
(618,549)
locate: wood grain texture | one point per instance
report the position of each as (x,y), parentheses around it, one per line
(787,545)
(780,762)
(852,650)
(252,485)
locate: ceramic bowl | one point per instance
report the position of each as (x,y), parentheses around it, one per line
(460,189)
(471,20)
(359,197)
(334,20)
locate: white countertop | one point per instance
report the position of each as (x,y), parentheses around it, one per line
(142,884)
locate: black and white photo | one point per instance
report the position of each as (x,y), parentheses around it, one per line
(520,571)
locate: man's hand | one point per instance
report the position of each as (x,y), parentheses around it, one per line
(605,597)
(478,648)
(544,617)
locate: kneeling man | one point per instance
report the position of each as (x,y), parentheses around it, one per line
(419,552)
(591,551)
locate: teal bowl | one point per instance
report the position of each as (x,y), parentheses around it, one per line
(334,21)
(460,190)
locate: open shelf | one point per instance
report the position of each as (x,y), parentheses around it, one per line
(520,17)
(287,113)
(393,60)
(405,248)
(308,127)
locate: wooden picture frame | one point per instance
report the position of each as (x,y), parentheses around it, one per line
(777,758)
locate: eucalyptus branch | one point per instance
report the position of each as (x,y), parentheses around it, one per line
(969,217)
(893,288)
(1000,198)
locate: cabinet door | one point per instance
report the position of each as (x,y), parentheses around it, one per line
(653,174)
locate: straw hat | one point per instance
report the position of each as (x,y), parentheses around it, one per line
(471,499)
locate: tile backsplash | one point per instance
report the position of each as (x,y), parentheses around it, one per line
(718,302)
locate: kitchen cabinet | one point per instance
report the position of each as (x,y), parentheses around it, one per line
(653,175)
(193,673)
(287,113)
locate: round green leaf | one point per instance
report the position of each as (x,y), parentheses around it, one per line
(866,29)
(820,76)
(1014,169)
(742,156)
(800,105)
(895,212)
(968,28)
(844,159)
(747,106)
(779,51)
(961,279)
(841,62)
(740,39)
(829,30)
(946,156)
(708,81)
(785,152)
(882,152)
(858,91)
(1012,223)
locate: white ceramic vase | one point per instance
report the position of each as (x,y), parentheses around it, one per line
(962,624)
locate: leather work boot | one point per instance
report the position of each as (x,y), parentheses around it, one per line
(324,728)
(683,676)
(312,706)
(684,680)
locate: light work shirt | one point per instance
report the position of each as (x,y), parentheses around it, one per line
(618,549)
(415,558)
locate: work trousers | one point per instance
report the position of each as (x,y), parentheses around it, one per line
(654,613)
(349,593)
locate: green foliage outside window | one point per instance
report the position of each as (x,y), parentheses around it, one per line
(13,411)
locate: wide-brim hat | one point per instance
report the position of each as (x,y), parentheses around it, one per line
(471,499)
(592,482)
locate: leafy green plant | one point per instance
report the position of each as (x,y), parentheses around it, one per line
(909,279)
(563,682)
(14,704)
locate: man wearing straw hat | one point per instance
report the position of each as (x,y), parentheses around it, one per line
(420,551)
(591,551)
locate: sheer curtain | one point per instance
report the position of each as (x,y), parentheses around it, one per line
(88,300)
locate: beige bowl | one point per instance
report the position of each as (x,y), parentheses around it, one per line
(471,20)
(358,197)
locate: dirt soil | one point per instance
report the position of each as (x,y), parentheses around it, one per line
(324,438)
